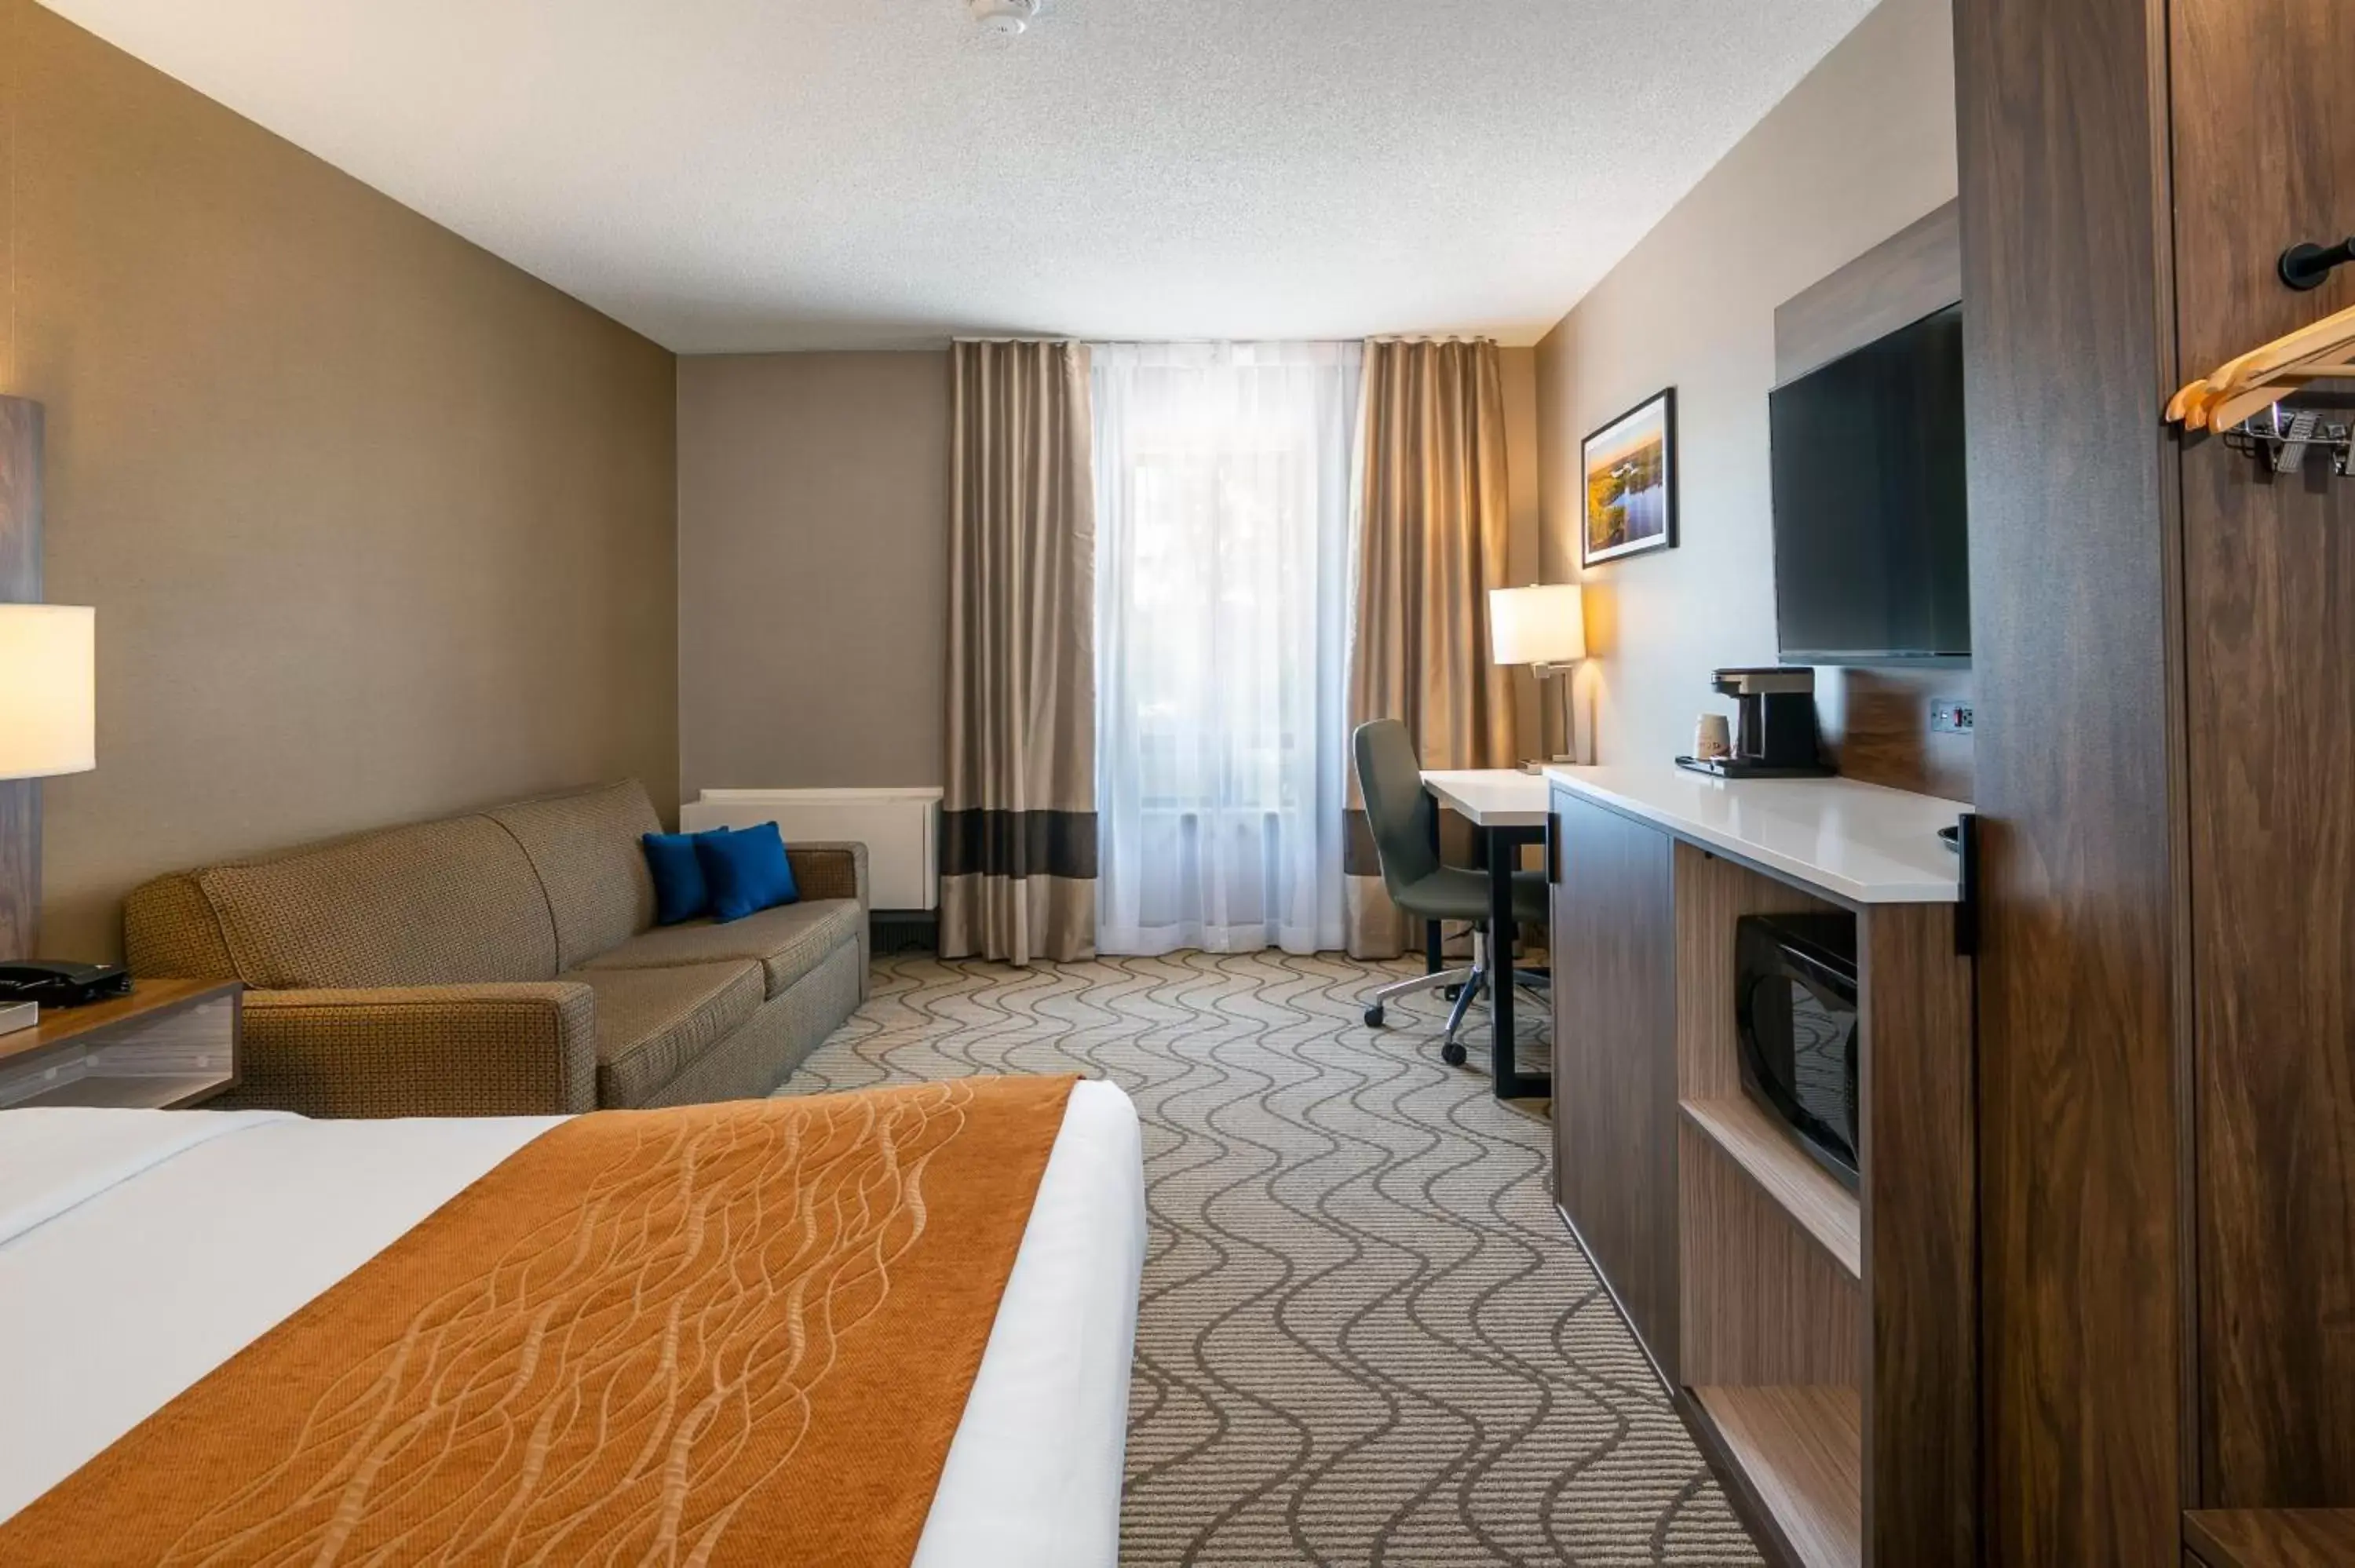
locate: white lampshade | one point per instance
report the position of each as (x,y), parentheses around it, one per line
(1541,624)
(49,690)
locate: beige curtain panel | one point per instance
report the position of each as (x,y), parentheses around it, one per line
(1019,823)
(1432,542)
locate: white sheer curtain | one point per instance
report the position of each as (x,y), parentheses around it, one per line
(1224,481)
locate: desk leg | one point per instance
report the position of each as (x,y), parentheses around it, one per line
(1434,957)
(1509,1082)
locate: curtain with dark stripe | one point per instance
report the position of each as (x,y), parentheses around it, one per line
(1433,520)
(1019,824)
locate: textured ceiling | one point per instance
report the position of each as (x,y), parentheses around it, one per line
(747,175)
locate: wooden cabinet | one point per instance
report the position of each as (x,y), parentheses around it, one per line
(1614,1091)
(167,1045)
(1821,1341)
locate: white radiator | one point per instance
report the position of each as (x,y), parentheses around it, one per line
(901,827)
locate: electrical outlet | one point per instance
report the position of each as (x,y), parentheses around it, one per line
(1950,718)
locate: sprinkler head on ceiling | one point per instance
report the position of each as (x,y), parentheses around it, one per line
(1005,17)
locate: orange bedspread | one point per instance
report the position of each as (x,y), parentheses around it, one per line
(739,1333)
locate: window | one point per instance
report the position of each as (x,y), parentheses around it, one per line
(1225,527)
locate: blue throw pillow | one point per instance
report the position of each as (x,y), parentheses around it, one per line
(746,870)
(680,893)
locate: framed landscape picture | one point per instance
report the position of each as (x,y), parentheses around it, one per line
(1630,465)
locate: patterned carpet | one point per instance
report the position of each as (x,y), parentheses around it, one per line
(1365,1336)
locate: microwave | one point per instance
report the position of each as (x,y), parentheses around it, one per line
(1795,1023)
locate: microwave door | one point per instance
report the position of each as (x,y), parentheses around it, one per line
(1802,1034)
(1823,1065)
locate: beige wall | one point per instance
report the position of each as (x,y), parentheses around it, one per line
(814,565)
(1859,149)
(377,525)
(813,562)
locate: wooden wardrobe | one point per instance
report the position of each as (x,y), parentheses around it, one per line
(2165,639)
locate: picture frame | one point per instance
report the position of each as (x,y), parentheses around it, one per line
(1627,467)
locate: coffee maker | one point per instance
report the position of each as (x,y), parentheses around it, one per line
(1774,734)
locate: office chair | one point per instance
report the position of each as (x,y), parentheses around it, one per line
(1404,820)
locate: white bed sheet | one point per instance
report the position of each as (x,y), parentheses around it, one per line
(140,1249)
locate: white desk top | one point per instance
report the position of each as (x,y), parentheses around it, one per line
(1492,796)
(1853,840)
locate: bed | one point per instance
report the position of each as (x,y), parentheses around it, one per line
(140,1251)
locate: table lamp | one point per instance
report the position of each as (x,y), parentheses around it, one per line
(49,679)
(1544,627)
(49,690)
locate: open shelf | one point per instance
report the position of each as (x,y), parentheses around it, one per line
(1800,1450)
(1795,1183)
(143,1091)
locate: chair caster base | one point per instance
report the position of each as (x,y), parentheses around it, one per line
(1451,991)
(1453,1055)
(1374,1017)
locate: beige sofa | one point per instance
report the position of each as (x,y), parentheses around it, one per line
(506,962)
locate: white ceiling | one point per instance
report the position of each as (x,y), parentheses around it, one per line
(753,174)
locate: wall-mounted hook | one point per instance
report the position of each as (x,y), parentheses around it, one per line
(2304,266)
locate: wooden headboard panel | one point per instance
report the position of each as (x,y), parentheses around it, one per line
(1877,721)
(20,583)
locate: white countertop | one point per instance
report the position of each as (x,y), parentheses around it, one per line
(1854,841)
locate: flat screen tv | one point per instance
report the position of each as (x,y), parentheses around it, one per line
(1871,532)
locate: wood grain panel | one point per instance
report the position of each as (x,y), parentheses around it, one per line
(1912,272)
(2276,1538)
(1785,1175)
(1712,894)
(1614,1096)
(1876,727)
(2264,154)
(1798,1450)
(20,583)
(1765,1302)
(2062,140)
(1921,1263)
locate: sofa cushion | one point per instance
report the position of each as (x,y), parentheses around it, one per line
(585,846)
(746,870)
(447,903)
(787,942)
(680,892)
(652,1022)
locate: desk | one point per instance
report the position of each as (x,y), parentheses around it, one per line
(1507,806)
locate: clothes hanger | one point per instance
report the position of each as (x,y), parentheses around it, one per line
(2266,374)
(2231,411)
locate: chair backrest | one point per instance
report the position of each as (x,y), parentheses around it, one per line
(1398,810)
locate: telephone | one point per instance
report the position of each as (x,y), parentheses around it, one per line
(54,984)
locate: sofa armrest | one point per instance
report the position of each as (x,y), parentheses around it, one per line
(520,1049)
(829,870)
(838,871)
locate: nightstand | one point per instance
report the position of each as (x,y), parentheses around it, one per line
(169,1044)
